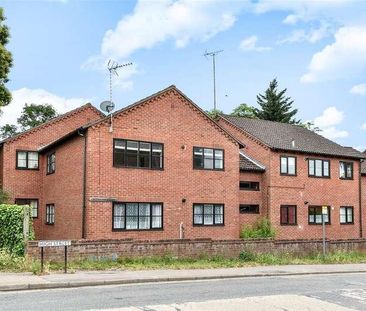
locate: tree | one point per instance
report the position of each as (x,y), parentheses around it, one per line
(8,130)
(311,126)
(244,110)
(33,115)
(214,113)
(6,62)
(275,106)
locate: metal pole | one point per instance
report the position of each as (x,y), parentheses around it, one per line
(214,78)
(324,249)
(65,259)
(41,259)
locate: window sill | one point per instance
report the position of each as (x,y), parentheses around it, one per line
(26,169)
(128,230)
(320,224)
(289,225)
(209,169)
(49,224)
(139,168)
(346,178)
(319,177)
(346,223)
(214,225)
(288,175)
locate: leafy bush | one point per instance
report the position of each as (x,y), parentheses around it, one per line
(11,228)
(261,229)
(247,256)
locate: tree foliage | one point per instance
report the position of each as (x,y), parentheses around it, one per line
(33,115)
(8,130)
(275,106)
(214,113)
(244,110)
(6,61)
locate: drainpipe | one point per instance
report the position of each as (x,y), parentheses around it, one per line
(181,231)
(82,133)
(360,198)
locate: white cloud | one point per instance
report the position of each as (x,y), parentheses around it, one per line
(22,96)
(343,58)
(327,122)
(250,44)
(363,126)
(312,36)
(359,89)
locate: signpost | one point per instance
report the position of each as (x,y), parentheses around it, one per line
(324,212)
(57,243)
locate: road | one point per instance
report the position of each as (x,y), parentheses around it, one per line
(310,292)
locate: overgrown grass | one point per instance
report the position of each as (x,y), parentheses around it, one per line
(262,229)
(12,263)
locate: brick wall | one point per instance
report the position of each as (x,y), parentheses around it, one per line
(89,249)
(172,120)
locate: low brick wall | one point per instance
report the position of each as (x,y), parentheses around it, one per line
(188,248)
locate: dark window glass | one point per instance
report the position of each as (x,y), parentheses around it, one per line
(288,215)
(27,160)
(208,158)
(129,153)
(33,203)
(208,214)
(249,209)
(50,214)
(249,185)
(51,163)
(137,216)
(316,216)
(288,165)
(346,215)
(319,168)
(345,170)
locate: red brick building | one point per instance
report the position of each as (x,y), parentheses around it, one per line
(162,169)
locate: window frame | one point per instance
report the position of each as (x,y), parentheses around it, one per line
(214,224)
(322,160)
(31,211)
(48,222)
(138,222)
(138,167)
(319,223)
(203,158)
(287,207)
(244,213)
(256,183)
(346,163)
(287,166)
(353,215)
(26,159)
(48,171)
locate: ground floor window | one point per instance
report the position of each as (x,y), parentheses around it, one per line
(346,215)
(50,214)
(33,203)
(288,215)
(208,214)
(137,216)
(316,216)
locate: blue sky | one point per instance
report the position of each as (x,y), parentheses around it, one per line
(316,49)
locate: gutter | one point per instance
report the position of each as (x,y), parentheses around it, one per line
(83,222)
(360,198)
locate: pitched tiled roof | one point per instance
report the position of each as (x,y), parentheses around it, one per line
(56,119)
(248,164)
(288,137)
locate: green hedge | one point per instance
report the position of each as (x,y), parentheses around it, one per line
(11,228)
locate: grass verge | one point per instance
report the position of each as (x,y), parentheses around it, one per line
(12,263)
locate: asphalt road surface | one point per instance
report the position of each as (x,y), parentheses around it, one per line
(312,292)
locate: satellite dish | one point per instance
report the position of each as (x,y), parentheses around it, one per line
(107,106)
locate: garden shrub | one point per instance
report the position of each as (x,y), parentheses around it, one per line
(260,230)
(11,228)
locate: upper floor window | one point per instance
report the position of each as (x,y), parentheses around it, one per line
(27,160)
(249,185)
(51,163)
(137,216)
(319,168)
(346,170)
(131,153)
(208,158)
(50,214)
(316,215)
(33,203)
(208,214)
(346,215)
(288,215)
(288,165)
(249,208)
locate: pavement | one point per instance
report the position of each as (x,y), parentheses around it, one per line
(28,281)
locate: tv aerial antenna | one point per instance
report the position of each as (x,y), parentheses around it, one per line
(108,105)
(213,55)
